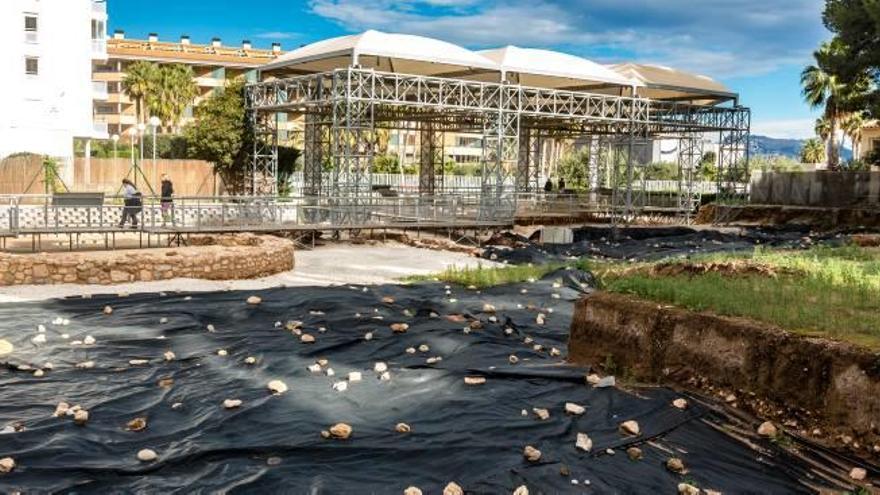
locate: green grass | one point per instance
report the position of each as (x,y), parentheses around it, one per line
(828,292)
(482,277)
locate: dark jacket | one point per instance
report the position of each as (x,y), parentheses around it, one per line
(167,190)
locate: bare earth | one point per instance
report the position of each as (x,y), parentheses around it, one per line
(329,265)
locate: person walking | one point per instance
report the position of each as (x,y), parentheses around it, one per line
(132,201)
(166,201)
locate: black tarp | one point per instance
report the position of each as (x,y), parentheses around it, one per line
(473,435)
(651,243)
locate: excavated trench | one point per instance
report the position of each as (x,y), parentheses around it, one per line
(118,368)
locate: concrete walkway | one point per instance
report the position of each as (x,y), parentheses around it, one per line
(328,265)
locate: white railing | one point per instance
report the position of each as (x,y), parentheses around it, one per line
(99,48)
(99,90)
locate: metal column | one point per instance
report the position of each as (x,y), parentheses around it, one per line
(430,160)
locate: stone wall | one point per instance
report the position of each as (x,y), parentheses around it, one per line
(832,382)
(808,216)
(818,188)
(213,258)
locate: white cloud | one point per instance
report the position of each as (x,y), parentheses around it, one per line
(785,129)
(717,38)
(276,35)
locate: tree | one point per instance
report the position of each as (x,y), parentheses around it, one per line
(852,127)
(813,151)
(573,167)
(822,88)
(172,91)
(219,135)
(140,81)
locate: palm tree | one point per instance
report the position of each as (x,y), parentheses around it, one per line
(139,82)
(852,127)
(173,91)
(813,151)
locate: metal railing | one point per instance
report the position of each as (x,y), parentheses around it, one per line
(30,214)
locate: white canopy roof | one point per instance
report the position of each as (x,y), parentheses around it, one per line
(663,82)
(403,53)
(550,69)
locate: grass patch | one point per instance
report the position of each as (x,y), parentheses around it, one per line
(483,277)
(827,292)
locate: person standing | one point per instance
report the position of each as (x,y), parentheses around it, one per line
(548,185)
(166,201)
(132,201)
(561,185)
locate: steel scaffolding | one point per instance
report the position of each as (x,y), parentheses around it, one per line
(344,107)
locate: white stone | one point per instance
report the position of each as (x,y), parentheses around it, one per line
(222,352)
(412,490)
(474,380)
(163,320)
(232,403)
(254,300)
(434,360)
(680,403)
(61,409)
(6,347)
(138,362)
(453,489)
(85,365)
(41,328)
(531,454)
(575,409)
(39,373)
(329,372)
(315,368)
(688,489)
(147,455)
(277,387)
(108,310)
(385,376)
(368,336)
(424,348)
(858,474)
(541,413)
(307,338)
(209,328)
(7,464)
(630,427)
(584,442)
(340,386)
(39,339)
(410,350)
(521,490)
(512,359)
(81,417)
(540,319)
(767,429)
(355,376)
(250,360)
(169,356)
(380,367)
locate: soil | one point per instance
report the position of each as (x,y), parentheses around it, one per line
(821,389)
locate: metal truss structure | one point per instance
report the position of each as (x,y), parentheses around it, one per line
(344,107)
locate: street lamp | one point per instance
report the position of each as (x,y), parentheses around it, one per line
(115,139)
(155,122)
(132,133)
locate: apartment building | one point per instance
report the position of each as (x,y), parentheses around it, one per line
(47,91)
(212,63)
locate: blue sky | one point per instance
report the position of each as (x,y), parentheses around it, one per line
(757,47)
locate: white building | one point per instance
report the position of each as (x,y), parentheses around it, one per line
(46,91)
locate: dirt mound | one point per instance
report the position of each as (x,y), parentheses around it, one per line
(730,268)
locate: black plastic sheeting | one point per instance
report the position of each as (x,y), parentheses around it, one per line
(473,435)
(652,243)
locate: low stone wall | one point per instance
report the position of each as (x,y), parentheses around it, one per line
(835,383)
(817,217)
(213,258)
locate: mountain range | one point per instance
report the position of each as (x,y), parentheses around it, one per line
(791,148)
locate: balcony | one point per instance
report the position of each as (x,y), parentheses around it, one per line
(99,8)
(99,90)
(99,49)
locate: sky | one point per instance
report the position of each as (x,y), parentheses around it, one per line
(756,47)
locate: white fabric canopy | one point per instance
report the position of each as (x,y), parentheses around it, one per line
(403,53)
(551,69)
(665,82)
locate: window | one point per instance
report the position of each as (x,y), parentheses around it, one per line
(30,28)
(32,66)
(30,22)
